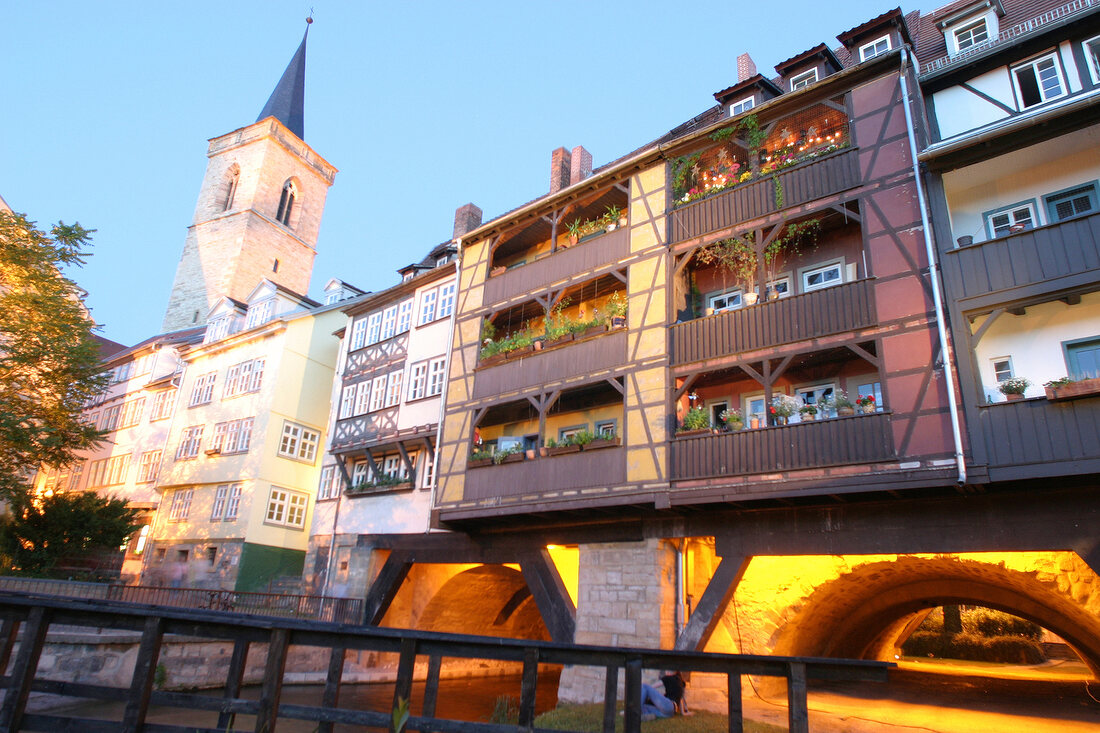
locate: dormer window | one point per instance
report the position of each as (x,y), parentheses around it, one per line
(260,313)
(876,47)
(742,106)
(218,329)
(971,34)
(286,203)
(408,276)
(803,80)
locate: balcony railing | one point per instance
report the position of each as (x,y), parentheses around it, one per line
(579,259)
(576,358)
(1028,257)
(814,180)
(546,475)
(810,315)
(816,444)
(1023,438)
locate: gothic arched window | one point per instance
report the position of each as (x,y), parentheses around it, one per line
(231,188)
(286,203)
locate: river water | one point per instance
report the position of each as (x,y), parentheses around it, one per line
(466,698)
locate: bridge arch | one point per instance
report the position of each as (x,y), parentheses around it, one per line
(867,612)
(489,600)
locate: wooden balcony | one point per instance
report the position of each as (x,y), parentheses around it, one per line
(816,179)
(1068,249)
(817,444)
(572,471)
(818,313)
(535,368)
(579,259)
(1022,439)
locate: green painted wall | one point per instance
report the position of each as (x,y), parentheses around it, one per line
(260,564)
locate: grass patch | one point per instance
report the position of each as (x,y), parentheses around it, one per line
(589,719)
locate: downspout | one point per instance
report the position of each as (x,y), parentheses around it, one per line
(680,620)
(341,365)
(446,380)
(933,267)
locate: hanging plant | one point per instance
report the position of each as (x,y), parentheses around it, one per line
(797,237)
(737,255)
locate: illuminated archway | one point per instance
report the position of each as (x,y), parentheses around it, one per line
(490,600)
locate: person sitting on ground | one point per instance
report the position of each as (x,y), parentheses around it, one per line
(675,691)
(655,705)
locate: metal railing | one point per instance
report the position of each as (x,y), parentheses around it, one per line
(34,615)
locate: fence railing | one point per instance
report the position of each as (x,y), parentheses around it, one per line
(35,615)
(319,608)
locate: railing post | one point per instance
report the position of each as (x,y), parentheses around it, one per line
(233,679)
(330,698)
(431,686)
(273,680)
(632,696)
(406,664)
(733,692)
(610,693)
(527,688)
(8,633)
(141,684)
(26,664)
(798,716)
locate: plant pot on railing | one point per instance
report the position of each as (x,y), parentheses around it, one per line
(513,458)
(1073,390)
(692,433)
(479,462)
(559,450)
(598,443)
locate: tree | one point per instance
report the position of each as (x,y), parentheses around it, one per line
(38,536)
(49,359)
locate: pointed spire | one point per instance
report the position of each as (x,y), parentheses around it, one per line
(287,102)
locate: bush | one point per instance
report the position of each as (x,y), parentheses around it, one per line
(989,622)
(973,647)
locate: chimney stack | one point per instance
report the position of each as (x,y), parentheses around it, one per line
(560,162)
(581,166)
(467,219)
(745,67)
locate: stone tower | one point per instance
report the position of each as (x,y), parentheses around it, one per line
(259,208)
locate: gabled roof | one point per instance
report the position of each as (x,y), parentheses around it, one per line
(819,50)
(889,18)
(287,102)
(758,81)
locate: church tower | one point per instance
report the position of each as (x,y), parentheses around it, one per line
(259,208)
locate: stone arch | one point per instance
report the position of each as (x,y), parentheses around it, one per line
(864,613)
(490,600)
(290,203)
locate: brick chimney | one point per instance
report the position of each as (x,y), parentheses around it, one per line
(745,67)
(581,166)
(560,163)
(467,219)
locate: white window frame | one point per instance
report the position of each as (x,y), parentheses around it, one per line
(374,328)
(807,273)
(970,27)
(427,306)
(377,394)
(150,466)
(1033,63)
(771,285)
(190,442)
(233,503)
(233,436)
(181,505)
(389,322)
(299,443)
(1092,56)
(996,372)
(347,402)
(746,407)
(203,391)
(803,79)
(260,313)
(418,381)
(286,508)
(163,402)
(720,301)
(362,397)
(360,472)
(742,105)
(875,391)
(1010,212)
(871,49)
(358,334)
(446,301)
(217,510)
(245,377)
(329,485)
(110,418)
(436,373)
(404,315)
(1050,200)
(393,388)
(814,394)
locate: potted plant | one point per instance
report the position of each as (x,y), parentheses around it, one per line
(479,457)
(574,231)
(616,309)
(612,217)
(867,404)
(783,406)
(555,448)
(1069,389)
(732,420)
(606,440)
(695,422)
(509,455)
(614,212)
(737,256)
(795,237)
(1013,388)
(808,413)
(839,401)
(584,329)
(583,438)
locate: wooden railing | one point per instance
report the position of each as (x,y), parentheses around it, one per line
(579,259)
(1059,250)
(816,179)
(215,714)
(810,315)
(605,350)
(603,467)
(816,444)
(1025,437)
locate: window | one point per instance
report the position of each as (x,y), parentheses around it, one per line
(1074,202)
(435,376)
(132,411)
(1002,368)
(359,473)
(1038,81)
(569,432)
(150,466)
(347,401)
(803,80)
(190,442)
(418,380)
(871,389)
(230,190)
(245,377)
(286,203)
(815,395)
(754,407)
(1092,54)
(163,402)
(725,301)
(181,504)
(822,277)
(362,396)
(110,418)
(971,34)
(299,442)
(377,394)
(427,474)
(233,503)
(404,315)
(606,429)
(329,488)
(109,471)
(76,476)
(122,372)
(358,334)
(446,300)
(233,436)
(742,106)
(1083,358)
(427,306)
(715,410)
(389,322)
(374,328)
(203,391)
(260,313)
(782,288)
(1013,219)
(218,329)
(144,364)
(393,388)
(218,509)
(874,48)
(286,508)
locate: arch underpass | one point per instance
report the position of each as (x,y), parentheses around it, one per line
(867,612)
(490,600)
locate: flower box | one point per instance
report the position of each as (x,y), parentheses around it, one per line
(479,462)
(494,359)
(592,331)
(562,449)
(692,433)
(560,340)
(513,458)
(1074,390)
(602,443)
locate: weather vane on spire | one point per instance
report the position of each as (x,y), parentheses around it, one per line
(309,20)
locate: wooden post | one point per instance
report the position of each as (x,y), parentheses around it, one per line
(26,663)
(798,715)
(632,696)
(733,692)
(431,686)
(708,612)
(273,680)
(330,697)
(233,679)
(527,688)
(610,693)
(8,633)
(402,688)
(141,684)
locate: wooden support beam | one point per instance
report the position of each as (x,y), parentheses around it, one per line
(479,415)
(553,601)
(779,370)
(864,354)
(8,633)
(625,189)
(683,388)
(527,687)
(1018,311)
(798,714)
(753,374)
(617,383)
(977,336)
(370,462)
(141,683)
(22,673)
(410,470)
(342,464)
(842,209)
(272,686)
(632,696)
(621,276)
(330,696)
(234,677)
(610,693)
(385,586)
(708,612)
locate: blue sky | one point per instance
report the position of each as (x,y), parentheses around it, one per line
(422,107)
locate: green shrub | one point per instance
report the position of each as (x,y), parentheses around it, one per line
(505,711)
(973,647)
(989,622)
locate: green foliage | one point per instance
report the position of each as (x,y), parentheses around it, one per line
(480,455)
(160,676)
(984,622)
(49,359)
(1014,385)
(681,169)
(488,330)
(505,711)
(616,305)
(582,437)
(753,134)
(500,455)
(736,255)
(795,238)
(400,714)
(1060,382)
(589,719)
(973,647)
(695,419)
(720,136)
(378,482)
(36,536)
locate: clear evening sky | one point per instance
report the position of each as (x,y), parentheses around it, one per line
(422,107)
